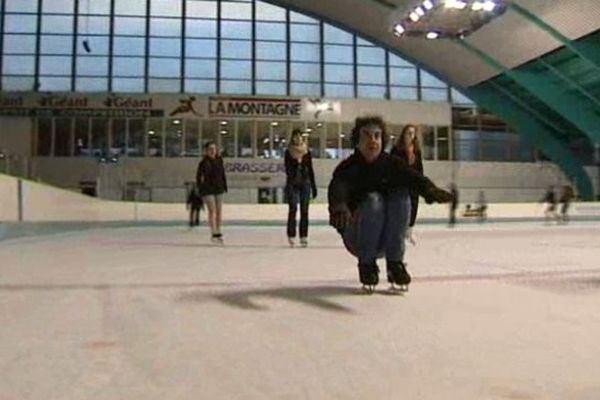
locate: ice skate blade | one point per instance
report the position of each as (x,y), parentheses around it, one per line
(368,289)
(396,288)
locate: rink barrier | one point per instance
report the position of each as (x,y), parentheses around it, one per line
(30,208)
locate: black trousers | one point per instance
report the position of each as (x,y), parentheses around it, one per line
(298,195)
(194,216)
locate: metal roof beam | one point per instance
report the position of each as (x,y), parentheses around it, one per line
(576,109)
(542,138)
(584,51)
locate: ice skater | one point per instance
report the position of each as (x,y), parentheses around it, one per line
(453,205)
(565,202)
(300,186)
(369,203)
(194,205)
(407,147)
(549,201)
(212,184)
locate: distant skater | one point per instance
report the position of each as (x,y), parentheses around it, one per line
(407,147)
(453,205)
(549,201)
(565,202)
(300,186)
(194,205)
(212,184)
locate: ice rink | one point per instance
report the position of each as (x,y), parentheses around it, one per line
(495,311)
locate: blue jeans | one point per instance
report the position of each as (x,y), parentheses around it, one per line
(379,227)
(298,195)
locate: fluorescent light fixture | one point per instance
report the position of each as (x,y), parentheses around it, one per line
(398,30)
(309,130)
(477,6)
(342,135)
(432,35)
(420,11)
(489,5)
(176,121)
(305,135)
(427,4)
(223,122)
(457,4)
(274,123)
(151,132)
(414,17)
(223,131)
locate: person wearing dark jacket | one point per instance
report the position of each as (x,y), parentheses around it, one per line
(299,187)
(369,204)
(194,204)
(408,149)
(212,183)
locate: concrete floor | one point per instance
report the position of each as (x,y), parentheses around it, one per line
(498,311)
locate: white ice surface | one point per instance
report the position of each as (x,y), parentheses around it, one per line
(508,311)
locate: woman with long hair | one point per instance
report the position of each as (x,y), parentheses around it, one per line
(300,185)
(212,183)
(407,147)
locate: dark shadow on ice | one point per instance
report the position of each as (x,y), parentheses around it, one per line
(314,296)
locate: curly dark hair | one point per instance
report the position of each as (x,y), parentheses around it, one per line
(369,120)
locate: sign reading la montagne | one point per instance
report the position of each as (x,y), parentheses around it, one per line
(254,107)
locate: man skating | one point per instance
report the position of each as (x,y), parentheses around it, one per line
(369,203)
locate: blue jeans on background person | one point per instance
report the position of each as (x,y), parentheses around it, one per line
(379,227)
(298,195)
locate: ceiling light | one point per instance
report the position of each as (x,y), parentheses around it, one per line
(432,35)
(428,4)
(477,6)
(420,11)
(274,123)
(223,122)
(414,17)
(458,4)
(398,30)
(489,5)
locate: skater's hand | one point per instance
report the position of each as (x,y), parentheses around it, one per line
(438,195)
(340,219)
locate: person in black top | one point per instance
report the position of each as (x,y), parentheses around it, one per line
(194,204)
(212,183)
(367,201)
(408,149)
(299,186)
(453,205)
(550,204)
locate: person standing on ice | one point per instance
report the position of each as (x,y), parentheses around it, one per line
(369,204)
(212,184)
(407,148)
(300,186)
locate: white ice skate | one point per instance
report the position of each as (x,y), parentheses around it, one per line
(304,242)
(291,241)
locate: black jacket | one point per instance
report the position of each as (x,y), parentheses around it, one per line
(298,173)
(354,178)
(210,176)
